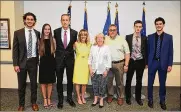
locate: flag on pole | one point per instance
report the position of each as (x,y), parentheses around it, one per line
(108,21)
(69,13)
(143,31)
(116,22)
(85,20)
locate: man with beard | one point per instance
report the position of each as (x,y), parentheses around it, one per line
(160,58)
(25,59)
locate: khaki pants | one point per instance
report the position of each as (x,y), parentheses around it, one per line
(116,71)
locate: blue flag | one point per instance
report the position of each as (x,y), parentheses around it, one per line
(143,31)
(116,22)
(85,20)
(69,13)
(108,22)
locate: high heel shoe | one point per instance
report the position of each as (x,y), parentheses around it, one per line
(83,101)
(45,104)
(50,104)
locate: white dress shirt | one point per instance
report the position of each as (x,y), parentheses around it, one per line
(34,40)
(68,35)
(99,58)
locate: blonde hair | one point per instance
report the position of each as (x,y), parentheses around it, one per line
(87,36)
(99,34)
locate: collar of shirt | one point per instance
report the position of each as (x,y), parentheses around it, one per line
(68,30)
(134,35)
(160,34)
(27,29)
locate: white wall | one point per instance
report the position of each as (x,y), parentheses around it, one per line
(129,11)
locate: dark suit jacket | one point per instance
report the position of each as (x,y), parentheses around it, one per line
(62,53)
(20,47)
(166,57)
(129,39)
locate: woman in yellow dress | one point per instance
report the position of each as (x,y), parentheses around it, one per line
(81,70)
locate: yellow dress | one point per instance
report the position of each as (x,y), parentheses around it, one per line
(81,70)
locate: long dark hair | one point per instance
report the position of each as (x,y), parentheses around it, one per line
(42,44)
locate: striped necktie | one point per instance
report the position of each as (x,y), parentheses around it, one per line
(29,52)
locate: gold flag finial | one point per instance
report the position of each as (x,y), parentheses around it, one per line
(108,3)
(85,4)
(70,3)
(144,3)
(116,5)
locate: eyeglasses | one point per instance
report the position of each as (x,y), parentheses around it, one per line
(112,30)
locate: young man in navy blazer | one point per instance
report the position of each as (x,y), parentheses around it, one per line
(160,58)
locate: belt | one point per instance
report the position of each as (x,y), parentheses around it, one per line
(31,58)
(158,59)
(117,61)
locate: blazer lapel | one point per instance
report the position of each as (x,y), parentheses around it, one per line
(154,41)
(131,42)
(71,34)
(24,37)
(163,42)
(61,41)
(142,43)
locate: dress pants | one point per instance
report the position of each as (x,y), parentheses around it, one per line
(31,69)
(69,65)
(116,71)
(138,66)
(162,75)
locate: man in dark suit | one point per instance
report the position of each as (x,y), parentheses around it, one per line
(137,45)
(25,59)
(160,58)
(65,38)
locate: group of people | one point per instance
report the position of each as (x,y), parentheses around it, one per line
(107,58)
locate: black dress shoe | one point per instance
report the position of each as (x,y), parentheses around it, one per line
(71,102)
(163,105)
(139,102)
(60,105)
(100,106)
(150,104)
(128,101)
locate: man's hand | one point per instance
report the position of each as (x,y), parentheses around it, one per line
(169,68)
(16,69)
(146,66)
(125,68)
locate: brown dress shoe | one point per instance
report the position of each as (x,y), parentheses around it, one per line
(20,108)
(120,101)
(35,107)
(109,99)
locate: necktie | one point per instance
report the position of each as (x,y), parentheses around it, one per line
(158,48)
(136,49)
(65,39)
(30,45)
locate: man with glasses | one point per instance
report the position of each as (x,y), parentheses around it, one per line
(120,56)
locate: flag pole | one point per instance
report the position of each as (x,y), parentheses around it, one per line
(87,95)
(142,95)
